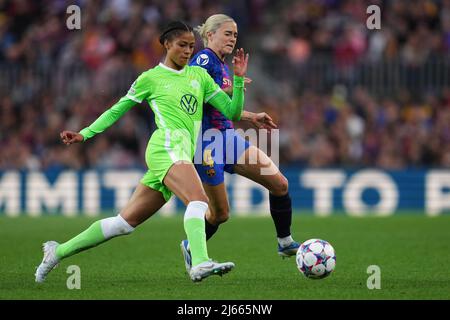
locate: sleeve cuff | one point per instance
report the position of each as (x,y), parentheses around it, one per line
(83,133)
(238,81)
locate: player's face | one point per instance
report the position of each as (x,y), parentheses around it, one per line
(181,48)
(224,39)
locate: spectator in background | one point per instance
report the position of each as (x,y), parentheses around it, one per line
(344,95)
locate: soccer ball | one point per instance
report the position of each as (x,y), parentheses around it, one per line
(316,259)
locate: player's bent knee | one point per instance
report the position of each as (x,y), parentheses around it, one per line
(198,197)
(115,226)
(222,218)
(281,186)
(284,185)
(220,215)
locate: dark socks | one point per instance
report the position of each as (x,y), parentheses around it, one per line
(281,212)
(210,229)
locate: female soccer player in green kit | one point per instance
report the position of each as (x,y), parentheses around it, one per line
(176,93)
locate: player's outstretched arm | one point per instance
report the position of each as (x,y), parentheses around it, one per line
(108,118)
(102,123)
(140,89)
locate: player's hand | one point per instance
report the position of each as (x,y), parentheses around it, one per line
(69,137)
(240,62)
(260,120)
(263,121)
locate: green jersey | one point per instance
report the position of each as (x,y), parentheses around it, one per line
(176,98)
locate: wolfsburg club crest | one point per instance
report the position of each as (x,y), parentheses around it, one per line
(189,103)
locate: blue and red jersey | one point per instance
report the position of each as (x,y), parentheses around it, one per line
(218,70)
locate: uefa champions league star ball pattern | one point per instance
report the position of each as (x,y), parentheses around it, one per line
(316,259)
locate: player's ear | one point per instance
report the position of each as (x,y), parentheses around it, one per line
(209,35)
(167,44)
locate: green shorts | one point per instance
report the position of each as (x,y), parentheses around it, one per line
(163,150)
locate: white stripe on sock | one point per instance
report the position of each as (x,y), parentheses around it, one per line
(115,226)
(195,209)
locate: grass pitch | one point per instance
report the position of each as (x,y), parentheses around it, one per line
(412,251)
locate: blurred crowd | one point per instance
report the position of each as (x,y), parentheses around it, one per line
(53,78)
(339,110)
(411,30)
(353,130)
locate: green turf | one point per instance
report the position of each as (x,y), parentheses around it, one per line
(412,251)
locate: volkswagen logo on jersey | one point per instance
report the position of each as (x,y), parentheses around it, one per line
(202,59)
(189,103)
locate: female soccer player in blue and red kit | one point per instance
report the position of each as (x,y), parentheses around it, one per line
(219,35)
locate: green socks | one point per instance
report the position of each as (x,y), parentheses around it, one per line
(194,226)
(195,230)
(89,238)
(105,229)
(99,232)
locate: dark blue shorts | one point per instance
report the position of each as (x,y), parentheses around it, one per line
(218,153)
